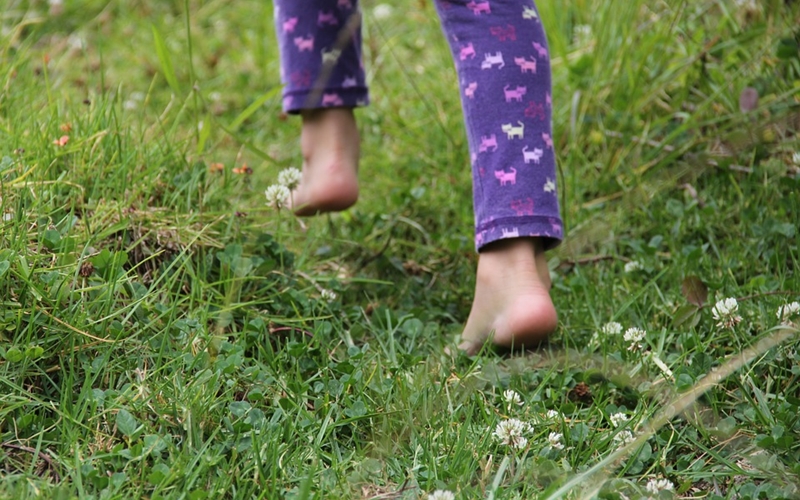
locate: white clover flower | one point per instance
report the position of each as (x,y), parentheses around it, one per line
(510,433)
(634,336)
(725,307)
(796,157)
(553,414)
(382,11)
(9,216)
(655,486)
(442,495)
(583,34)
(725,311)
(787,311)
(512,397)
(328,295)
(748,5)
(289,177)
(661,366)
(56,7)
(617,419)
(134,101)
(555,440)
(632,266)
(623,438)
(612,328)
(277,196)
(76,42)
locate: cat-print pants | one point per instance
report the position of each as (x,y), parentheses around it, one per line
(503,66)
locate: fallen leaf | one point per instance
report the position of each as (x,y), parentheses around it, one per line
(748,99)
(694,290)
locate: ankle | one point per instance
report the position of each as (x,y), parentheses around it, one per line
(328,117)
(329,132)
(513,259)
(516,248)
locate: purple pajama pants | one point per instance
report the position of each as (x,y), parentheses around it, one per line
(503,66)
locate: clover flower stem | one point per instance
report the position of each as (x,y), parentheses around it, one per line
(279,238)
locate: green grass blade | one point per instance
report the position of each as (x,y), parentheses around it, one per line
(252,108)
(166,62)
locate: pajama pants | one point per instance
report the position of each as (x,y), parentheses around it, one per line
(503,67)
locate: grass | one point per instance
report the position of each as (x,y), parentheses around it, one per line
(164,334)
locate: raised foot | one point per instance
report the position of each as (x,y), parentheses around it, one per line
(330,144)
(512,304)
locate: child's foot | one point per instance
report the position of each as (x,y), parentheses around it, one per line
(330,145)
(512,297)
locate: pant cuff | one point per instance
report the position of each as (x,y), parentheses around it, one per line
(350,97)
(549,229)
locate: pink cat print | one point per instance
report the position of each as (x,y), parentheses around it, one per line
(488,142)
(304,44)
(479,7)
(506,177)
(470,89)
(525,65)
(466,51)
(327,18)
(332,100)
(540,49)
(547,140)
(514,94)
(290,24)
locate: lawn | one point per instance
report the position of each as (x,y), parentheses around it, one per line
(166,334)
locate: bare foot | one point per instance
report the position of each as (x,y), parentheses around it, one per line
(330,145)
(512,297)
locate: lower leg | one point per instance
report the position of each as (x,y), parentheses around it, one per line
(330,146)
(512,297)
(320,45)
(506,97)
